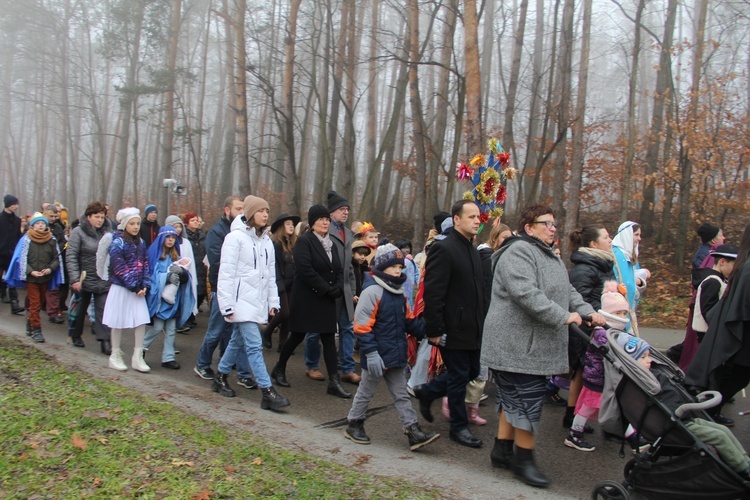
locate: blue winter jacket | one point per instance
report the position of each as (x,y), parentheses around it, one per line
(381,321)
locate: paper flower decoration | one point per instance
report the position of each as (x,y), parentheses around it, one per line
(489,174)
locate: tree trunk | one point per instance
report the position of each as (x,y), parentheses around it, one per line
(417,123)
(169,102)
(292,182)
(240,92)
(474,125)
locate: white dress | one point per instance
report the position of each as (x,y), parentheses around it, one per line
(124,309)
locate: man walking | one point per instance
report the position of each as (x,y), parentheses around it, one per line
(454,314)
(10,233)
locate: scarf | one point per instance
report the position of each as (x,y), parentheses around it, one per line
(598,253)
(39,236)
(394,284)
(327,244)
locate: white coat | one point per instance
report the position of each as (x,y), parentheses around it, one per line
(246,287)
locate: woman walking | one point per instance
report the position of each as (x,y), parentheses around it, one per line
(625,246)
(283,237)
(319,282)
(126,306)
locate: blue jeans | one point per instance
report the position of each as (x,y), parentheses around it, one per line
(218,329)
(461,368)
(246,343)
(346,346)
(169,326)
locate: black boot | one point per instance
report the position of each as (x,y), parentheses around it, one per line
(279,377)
(418,437)
(15,308)
(525,468)
(105,346)
(272,400)
(355,431)
(502,453)
(221,385)
(424,403)
(28,328)
(335,388)
(266,336)
(77,342)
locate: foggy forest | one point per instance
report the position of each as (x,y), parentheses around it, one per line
(609,109)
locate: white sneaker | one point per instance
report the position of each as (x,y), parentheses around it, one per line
(138,362)
(116,362)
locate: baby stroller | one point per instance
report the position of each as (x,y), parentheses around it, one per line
(677,464)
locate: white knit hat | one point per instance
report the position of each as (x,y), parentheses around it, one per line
(125,214)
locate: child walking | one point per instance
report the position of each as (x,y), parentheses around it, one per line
(380,321)
(170,299)
(36,264)
(712,282)
(129,276)
(615,309)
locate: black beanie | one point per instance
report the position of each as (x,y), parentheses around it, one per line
(9,200)
(707,232)
(317,212)
(336,201)
(439,218)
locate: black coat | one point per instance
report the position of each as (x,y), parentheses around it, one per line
(454,292)
(316,275)
(588,276)
(284,268)
(10,233)
(728,337)
(197,240)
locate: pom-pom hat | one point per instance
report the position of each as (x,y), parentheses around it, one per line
(150,208)
(38,217)
(386,256)
(613,302)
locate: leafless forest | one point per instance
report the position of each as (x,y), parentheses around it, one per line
(631,107)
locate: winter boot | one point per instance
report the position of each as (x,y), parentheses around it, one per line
(472,411)
(266,336)
(28,328)
(77,341)
(272,400)
(335,388)
(502,453)
(446,410)
(15,308)
(36,334)
(138,363)
(116,362)
(355,431)
(221,385)
(525,468)
(418,437)
(279,377)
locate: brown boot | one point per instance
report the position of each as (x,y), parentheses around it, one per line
(352,378)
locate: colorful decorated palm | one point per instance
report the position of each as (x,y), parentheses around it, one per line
(489,174)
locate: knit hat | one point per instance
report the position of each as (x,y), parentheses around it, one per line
(9,200)
(613,302)
(252,205)
(386,256)
(189,215)
(317,212)
(38,217)
(150,208)
(707,232)
(172,220)
(361,247)
(635,347)
(438,219)
(726,251)
(283,218)
(336,201)
(125,214)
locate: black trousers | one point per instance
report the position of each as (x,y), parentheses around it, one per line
(329,350)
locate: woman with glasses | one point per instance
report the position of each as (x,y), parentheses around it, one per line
(627,269)
(526,335)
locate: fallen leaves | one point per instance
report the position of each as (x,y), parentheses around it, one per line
(182,463)
(79,442)
(362,460)
(202,495)
(257,461)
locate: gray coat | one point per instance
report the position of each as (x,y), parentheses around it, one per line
(525,331)
(344,251)
(81,255)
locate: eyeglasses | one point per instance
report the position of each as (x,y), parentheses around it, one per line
(549,223)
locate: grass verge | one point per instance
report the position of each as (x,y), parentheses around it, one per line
(65,434)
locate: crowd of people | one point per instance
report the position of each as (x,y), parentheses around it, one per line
(435,326)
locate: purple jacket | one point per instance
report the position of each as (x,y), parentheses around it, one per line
(128,266)
(593,368)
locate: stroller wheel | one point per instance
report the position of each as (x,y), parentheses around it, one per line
(610,490)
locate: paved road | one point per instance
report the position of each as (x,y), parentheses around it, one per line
(314,422)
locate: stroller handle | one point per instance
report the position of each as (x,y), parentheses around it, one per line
(706,399)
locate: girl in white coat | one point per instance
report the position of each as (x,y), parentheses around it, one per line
(247,295)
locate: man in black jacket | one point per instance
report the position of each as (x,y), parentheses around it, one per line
(454,314)
(219,332)
(56,298)
(10,233)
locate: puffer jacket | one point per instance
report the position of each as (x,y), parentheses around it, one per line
(247,275)
(80,256)
(588,276)
(593,368)
(128,264)
(382,319)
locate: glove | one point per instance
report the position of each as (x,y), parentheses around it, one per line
(173,278)
(334,293)
(375,364)
(174,268)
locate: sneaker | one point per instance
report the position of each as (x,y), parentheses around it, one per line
(57,320)
(483,397)
(172,365)
(555,400)
(204,373)
(183,330)
(577,441)
(247,382)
